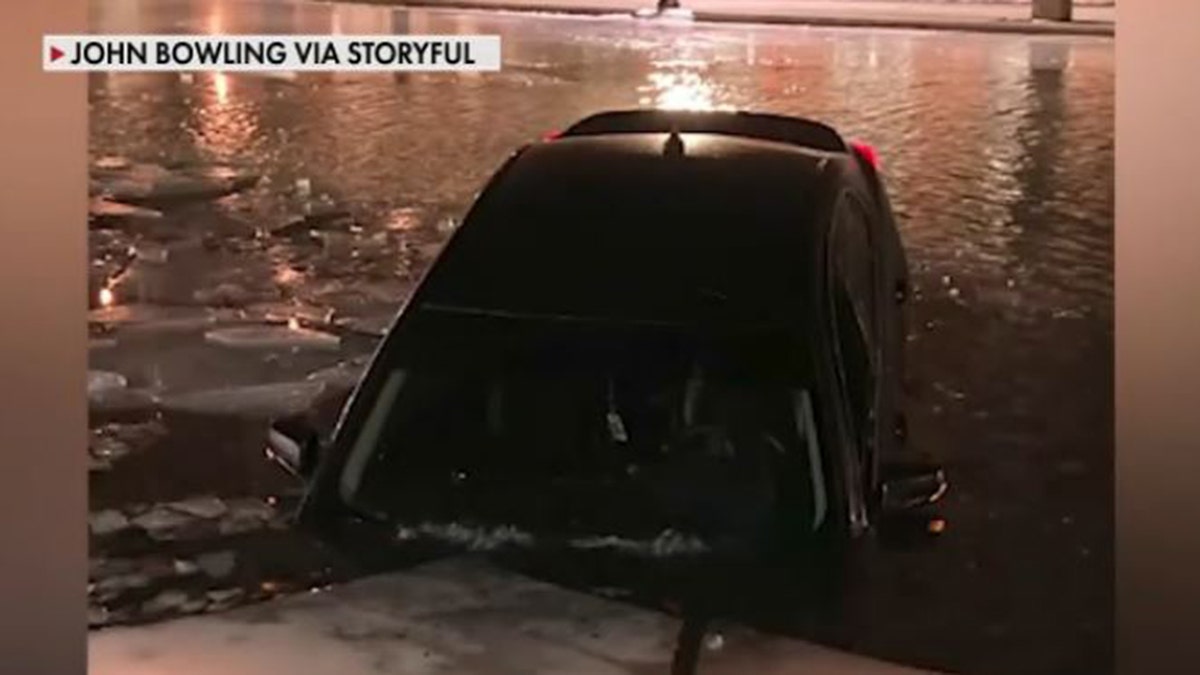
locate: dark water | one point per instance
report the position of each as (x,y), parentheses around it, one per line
(998,151)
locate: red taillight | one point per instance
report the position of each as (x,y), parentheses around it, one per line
(551,136)
(867,153)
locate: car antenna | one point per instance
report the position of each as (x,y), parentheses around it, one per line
(674,145)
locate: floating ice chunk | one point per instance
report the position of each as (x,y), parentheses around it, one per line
(165,601)
(403,219)
(154,185)
(107,521)
(109,449)
(108,213)
(98,615)
(99,568)
(101,382)
(153,316)
(272,337)
(343,375)
(247,515)
(224,295)
(470,537)
(114,441)
(154,255)
(111,162)
(251,507)
(667,544)
(286,313)
(375,326)
(268,401)
(217,565)
(200,507)
(123,401)
(102,343)
(224,599)
(671,543)
(160,521)
(319,217)
(281,75)
(122,582)
(428,251)
(194,606)
(137,435)
(601,542)
(486,540)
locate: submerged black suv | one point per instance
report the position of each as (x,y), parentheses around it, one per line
(655,334)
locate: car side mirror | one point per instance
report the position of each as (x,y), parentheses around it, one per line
(295,445)
(908,495)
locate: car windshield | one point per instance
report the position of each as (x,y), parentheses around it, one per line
(581,432)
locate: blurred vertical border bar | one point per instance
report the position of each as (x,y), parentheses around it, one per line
(1157,337)
(43,292)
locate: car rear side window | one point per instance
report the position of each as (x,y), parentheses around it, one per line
(855,263)
(853,303)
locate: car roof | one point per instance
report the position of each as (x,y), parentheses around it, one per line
(630,224)
(768,184)
(796,131)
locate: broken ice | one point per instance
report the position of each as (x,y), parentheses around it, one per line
(200,507)
(247,515)
(107,522)
(217,565)
(101,382)
(266,401)
(121,582)
(272,337)
(160,521)
(224,599)
(471,538)
(668,543)
(164,602)
(98,615)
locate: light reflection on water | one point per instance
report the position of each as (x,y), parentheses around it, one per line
(224,118)
(962,128)
(679,90)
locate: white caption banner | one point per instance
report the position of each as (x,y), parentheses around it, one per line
(267,53)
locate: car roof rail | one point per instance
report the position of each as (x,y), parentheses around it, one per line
(760,126)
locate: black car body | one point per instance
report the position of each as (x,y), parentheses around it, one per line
(621,256)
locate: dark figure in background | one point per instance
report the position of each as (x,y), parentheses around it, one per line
(664,5)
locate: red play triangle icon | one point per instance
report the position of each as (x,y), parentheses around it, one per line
(56,53)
